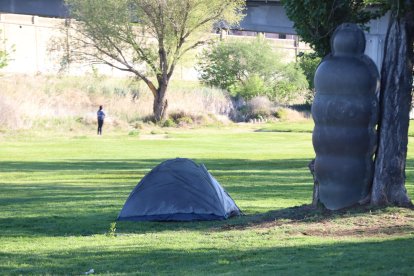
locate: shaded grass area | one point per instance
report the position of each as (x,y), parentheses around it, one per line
(52,196)
(58,197)
(269,257)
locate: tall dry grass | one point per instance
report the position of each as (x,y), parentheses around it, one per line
(42,101)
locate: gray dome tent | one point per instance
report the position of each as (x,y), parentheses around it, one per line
(178,190)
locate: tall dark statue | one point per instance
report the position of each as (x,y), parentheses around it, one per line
(345,112)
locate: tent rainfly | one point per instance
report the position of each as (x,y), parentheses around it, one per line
(178,190)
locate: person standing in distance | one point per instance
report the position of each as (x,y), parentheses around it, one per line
(101,117)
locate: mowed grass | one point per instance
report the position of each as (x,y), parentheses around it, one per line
(59,195)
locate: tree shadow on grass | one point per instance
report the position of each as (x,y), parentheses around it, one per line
(147,164)
(308,214)
(393,257)
(79,197)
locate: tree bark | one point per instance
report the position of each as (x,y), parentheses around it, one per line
(315,195)
(160,103)
(395,101)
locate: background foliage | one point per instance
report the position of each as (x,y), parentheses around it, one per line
(316,20)
(251,68)
(308,62)
(146,38)
(4,57)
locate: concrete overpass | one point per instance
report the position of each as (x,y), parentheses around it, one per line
(261,16)
(270,16)
(266,16)
(47,8)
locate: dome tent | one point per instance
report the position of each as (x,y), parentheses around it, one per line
(178,190)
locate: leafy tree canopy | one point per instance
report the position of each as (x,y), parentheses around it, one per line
(145,37)
(250,68)
(316,20)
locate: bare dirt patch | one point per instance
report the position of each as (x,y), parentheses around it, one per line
(370,225)
(356,222)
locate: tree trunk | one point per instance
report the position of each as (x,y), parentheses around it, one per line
(395,101)
(160,104)
(315,195)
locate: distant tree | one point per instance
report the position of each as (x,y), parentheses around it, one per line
(250,68)
(315,20)
(145,37)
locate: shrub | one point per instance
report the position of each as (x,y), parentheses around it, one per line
(288,114)
(181,118)
(253,86)
(258,108)
(176,115)
(250,68)
(308,62)
(133,132)
(291,84)
(169,123)
(281,114)
(186,120)
(209,120)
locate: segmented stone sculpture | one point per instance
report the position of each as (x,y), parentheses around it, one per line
(345,112)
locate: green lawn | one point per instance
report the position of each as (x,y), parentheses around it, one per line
(59,195)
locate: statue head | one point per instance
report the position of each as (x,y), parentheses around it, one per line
(348,39)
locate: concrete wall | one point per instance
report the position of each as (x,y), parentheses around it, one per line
(266,17)
(32,38)
(51,8)
(271,17)
(27,40)
(375,39)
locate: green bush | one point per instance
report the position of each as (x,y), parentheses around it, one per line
(308,62)
(176,115)
(252,87)
(169,123)
(178,118)
(186,120)
(134,132)
(282,114)
(250,68)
